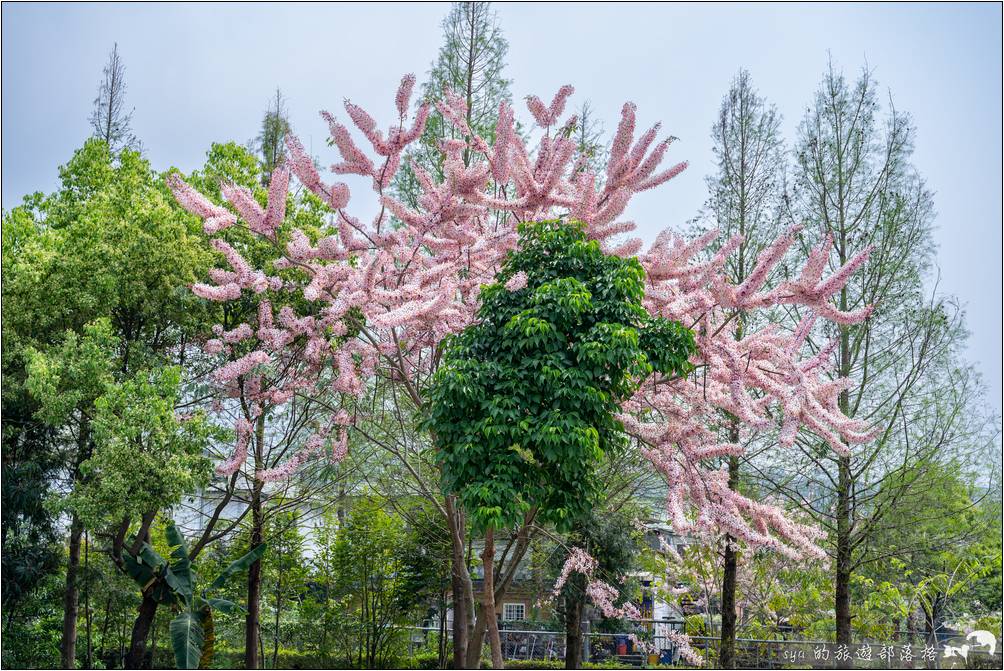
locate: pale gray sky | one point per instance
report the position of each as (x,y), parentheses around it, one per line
(199,73)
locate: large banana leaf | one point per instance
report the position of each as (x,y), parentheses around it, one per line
(181,577)
(187,640)
(225,606)
(139,572)
(238,566)
(149,556)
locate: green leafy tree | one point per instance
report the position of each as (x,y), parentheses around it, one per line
(270,143)
(368,584)
(932,572)
(145,457)
(31,458)
(108,245)
(426,567)
(523,404)
(285,575)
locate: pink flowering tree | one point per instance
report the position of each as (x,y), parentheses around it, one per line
(384,292)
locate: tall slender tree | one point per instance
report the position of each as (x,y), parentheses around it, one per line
(744,200)
(855,188)
(590,151)
(270,144)
(110,120)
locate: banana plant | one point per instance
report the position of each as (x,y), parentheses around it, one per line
(173,583)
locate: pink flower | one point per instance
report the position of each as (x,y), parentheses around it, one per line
(404,94)
(547,115)
(516,282)
(237,459)
(242,366)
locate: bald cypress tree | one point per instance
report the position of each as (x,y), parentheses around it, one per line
(744,198)
(111,119)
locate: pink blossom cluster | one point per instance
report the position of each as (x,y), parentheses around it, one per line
(602,594)
(682,643)
(229,467)
(755,378)
(516,282)
(579,561)
(405,278)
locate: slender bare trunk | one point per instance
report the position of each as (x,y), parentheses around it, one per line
(842,577)
(488,598)
(87,602)
(441,649)
(68,644)
(252,620)
(842,582)
(460,581)
(727,649)
(104,625)
(573,622)
(278,611)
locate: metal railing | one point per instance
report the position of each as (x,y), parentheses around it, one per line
(527,644)
(530,644)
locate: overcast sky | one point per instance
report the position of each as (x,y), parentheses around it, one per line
(200,73)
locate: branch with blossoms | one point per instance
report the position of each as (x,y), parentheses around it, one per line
(386,292)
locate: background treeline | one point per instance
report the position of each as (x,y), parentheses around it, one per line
(102,362)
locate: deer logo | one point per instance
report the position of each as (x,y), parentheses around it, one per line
(983,639)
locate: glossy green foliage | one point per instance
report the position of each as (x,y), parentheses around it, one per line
(523,405)
(144,456)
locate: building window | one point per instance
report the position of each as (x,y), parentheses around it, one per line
(513,611)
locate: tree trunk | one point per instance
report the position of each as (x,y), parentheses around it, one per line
(573,623)
(488,599)
(476,635)
(933,619)
(460,582)
(136,657)
(727,644)
(278,612)
(153,641)
(87,602)
(104,626)
(252,619)
(441,648)
(68,644)
(476,638)
(254,586)
(842,582)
